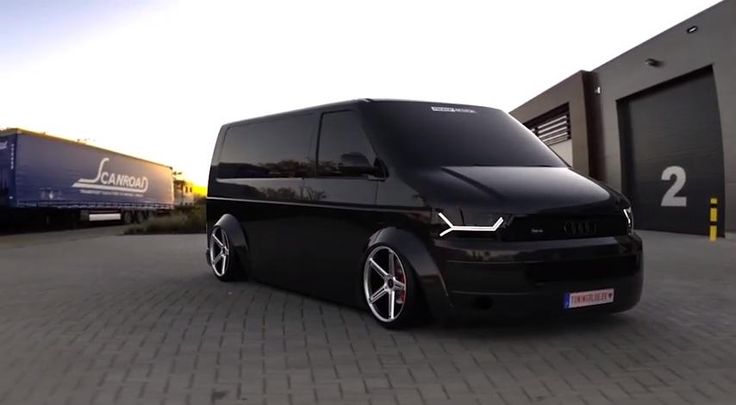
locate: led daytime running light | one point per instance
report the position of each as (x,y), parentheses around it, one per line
(452,227)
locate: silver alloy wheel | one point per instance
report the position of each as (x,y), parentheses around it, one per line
(384,284)
(219,251)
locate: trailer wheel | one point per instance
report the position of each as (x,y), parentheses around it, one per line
(127,217)
(139,217)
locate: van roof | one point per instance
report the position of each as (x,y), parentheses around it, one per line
(306,110)
(347,103)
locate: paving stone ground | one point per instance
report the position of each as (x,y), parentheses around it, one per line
(110,319)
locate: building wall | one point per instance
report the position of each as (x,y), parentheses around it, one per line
(564,150)
(571,91)
(713,44)
(678,53)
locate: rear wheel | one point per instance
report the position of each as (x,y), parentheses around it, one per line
(390,290)
(222,257)
(139,217)
(127,217)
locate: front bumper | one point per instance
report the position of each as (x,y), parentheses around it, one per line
(522,278)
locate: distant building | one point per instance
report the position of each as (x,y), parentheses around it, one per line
(658,122)
(183,193)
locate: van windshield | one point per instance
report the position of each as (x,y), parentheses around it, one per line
(435,135)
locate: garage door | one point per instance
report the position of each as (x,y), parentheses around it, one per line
(673,154)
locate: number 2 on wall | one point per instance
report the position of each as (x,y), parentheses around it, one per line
(671,199)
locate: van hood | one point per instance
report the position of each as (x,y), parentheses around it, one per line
(513,190)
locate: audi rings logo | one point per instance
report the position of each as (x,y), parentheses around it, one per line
(580,228)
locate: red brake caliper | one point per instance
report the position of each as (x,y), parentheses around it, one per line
(402,278)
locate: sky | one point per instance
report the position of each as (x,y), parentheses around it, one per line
(157,79)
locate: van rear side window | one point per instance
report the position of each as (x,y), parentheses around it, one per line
(341,136)
(269,149)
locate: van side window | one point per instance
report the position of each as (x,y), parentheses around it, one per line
(344,149)
(268,149)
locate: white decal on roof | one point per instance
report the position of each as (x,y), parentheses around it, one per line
(453,109)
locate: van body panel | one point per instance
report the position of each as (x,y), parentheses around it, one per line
(340,216)
(512,190)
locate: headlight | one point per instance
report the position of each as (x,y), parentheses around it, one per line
(496,223)
(629,219)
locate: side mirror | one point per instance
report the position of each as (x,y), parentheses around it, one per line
(356,164)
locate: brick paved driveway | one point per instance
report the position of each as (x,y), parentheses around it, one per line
(138,319)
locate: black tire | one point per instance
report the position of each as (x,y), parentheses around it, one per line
(223,258)
(412,310)
(127,217)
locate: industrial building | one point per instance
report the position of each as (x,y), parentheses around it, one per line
(657,122)
(183,193)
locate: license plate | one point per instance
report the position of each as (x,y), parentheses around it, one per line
(588,298)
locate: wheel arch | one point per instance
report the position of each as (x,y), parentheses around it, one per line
(425,268)
(235,233)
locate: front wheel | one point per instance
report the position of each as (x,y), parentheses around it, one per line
(390,290)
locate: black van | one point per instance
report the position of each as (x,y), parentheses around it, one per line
(402,206)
